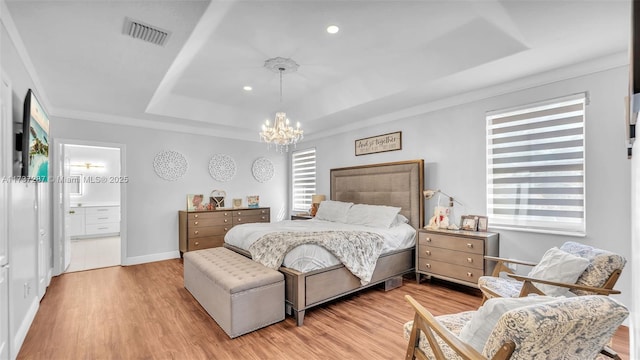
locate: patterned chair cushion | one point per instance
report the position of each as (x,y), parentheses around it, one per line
(603,264)
(570,328)
(504,287)
(453,322)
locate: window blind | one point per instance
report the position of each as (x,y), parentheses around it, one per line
(536,167)
(303,178)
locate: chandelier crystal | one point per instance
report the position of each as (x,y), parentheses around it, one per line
(281,134)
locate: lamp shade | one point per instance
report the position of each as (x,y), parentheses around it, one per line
(317,199)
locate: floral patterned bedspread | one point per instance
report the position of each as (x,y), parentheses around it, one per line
(357,250)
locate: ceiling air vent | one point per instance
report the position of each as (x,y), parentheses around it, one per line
(139,30)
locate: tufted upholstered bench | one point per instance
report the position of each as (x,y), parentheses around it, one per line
(240,294)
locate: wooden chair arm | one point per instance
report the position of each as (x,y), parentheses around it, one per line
(424,319)
(502,267)
(608,352)
(596,290)
(510,261)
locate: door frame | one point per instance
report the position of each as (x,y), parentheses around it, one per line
(58,206)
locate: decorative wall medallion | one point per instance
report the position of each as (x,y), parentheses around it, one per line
(222,167)
(262,169)
(170,165)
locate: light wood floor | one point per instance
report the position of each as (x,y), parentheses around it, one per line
(144,312)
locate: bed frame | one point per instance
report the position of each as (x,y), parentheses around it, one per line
(395,184)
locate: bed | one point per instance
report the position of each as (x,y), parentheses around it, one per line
(398,184)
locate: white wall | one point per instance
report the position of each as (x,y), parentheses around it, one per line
(95,193)
(153,203)
(452,143)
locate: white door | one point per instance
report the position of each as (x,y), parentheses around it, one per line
(44,235)
(62,238)
(6,168)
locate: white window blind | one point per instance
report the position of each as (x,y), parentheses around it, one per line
(536,167)
(303,178)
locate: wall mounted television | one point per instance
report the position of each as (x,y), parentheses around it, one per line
(35,140)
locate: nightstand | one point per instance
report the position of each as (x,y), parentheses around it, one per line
(455,255)
(301,217)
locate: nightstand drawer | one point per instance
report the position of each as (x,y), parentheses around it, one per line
(430,253)
(463,273)
(452,242)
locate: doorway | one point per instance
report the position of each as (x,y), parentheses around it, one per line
(90,205)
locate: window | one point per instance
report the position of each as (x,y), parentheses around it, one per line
(303,178)
(536,167)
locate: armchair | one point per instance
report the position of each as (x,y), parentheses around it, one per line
(564,328)
(599,277)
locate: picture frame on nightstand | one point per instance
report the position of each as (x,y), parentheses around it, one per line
(469,223)
(483,223)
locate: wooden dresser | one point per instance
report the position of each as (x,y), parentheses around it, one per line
(456,256)
(206,229)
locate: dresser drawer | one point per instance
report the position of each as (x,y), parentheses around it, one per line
(463,273)
(107,228)
(204,222)
(250,212)
(430,253)
(205,242)
(209,215)
(250,219)
(200,232)
(452,242)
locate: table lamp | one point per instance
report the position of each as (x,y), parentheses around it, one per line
(315,203)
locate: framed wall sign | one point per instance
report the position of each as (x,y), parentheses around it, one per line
(380,143)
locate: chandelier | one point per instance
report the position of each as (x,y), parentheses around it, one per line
(281,134)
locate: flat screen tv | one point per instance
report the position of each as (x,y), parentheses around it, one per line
(35,140)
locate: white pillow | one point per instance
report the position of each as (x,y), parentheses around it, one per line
(477,331)
(331,210)
(560,266)
(400,219)
(379,216)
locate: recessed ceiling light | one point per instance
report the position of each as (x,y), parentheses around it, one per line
(332,29)
(247,88)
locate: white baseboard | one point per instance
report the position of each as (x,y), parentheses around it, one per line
(21,333)
(135,260)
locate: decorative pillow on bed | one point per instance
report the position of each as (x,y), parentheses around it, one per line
(379,216)
(331,210)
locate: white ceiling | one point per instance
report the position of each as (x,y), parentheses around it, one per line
(388,56)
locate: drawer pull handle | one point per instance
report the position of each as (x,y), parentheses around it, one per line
(470,246)
(103,218)
(102,228)
(226,214)
(195,216)
(239,219)
(103,209)
(469,260)
(72,212)
(428,266)
(469,274)
(226,229)
(195,223)
(428,239)
(197,243)
(264,218)
(225,220)
(263,211)
(428,252)
(239,213)
(196,232)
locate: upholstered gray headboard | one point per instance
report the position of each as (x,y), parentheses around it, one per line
(393,184)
